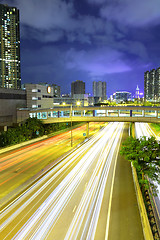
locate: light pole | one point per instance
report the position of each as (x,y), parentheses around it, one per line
(71,127)
(78,103)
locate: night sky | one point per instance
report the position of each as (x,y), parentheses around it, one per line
(90,40)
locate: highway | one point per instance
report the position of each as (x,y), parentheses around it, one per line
(18,167)
(143,129)
(69,201)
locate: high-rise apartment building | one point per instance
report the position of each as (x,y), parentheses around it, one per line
(99,89)
(10,74)
(152,85)
(157,85)
(77,87)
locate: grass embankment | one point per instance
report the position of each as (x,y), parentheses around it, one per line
(155,127)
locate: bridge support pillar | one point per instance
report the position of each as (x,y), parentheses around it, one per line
(3,128)
(133,129)
(87,129)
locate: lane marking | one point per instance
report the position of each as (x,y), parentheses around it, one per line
(111,192)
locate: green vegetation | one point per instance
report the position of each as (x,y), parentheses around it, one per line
(144,154)
(32,128)
(155,126)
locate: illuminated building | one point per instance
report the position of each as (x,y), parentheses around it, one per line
(152,85)
(10,74)
(122,96)
(137,95)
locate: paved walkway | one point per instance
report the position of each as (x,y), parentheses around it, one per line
(125,223)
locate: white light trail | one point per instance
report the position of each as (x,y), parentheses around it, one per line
(95,158)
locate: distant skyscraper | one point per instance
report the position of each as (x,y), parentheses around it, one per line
(77,87)
(152,85)
(99,89)
(10,74)
(137,92)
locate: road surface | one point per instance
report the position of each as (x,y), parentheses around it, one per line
(18,167)
(76,199)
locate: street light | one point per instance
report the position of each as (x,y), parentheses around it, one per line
(78,103)
(71,126)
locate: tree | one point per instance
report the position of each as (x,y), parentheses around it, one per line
(31,127)
(144,153)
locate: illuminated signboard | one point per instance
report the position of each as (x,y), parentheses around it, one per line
(48,89)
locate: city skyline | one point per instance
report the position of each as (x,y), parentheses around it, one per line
(91,40)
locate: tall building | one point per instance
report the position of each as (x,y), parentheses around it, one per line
(147,87)
(77,87)
(10,74)
(152,85)
(99,89)
(137,92)
(157,85)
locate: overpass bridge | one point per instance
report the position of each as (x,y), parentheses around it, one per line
(92,114)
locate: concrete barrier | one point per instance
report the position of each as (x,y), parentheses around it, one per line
(143,214)
(7,149)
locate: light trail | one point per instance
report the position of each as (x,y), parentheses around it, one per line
(29,160)
(39,213)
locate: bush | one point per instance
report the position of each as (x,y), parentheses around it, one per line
(32,128)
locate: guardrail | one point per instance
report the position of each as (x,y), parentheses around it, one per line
(142,209)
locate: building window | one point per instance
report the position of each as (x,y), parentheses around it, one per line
(34,98)
(34,106)
(34,90)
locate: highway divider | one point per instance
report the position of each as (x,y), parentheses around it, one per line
(7,149)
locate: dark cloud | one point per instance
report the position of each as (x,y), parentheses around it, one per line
(135,13)
(98,2)
(96,62)
(65,40)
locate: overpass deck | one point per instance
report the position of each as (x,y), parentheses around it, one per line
(92,114)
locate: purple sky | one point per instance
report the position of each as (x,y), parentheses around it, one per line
(91,40)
